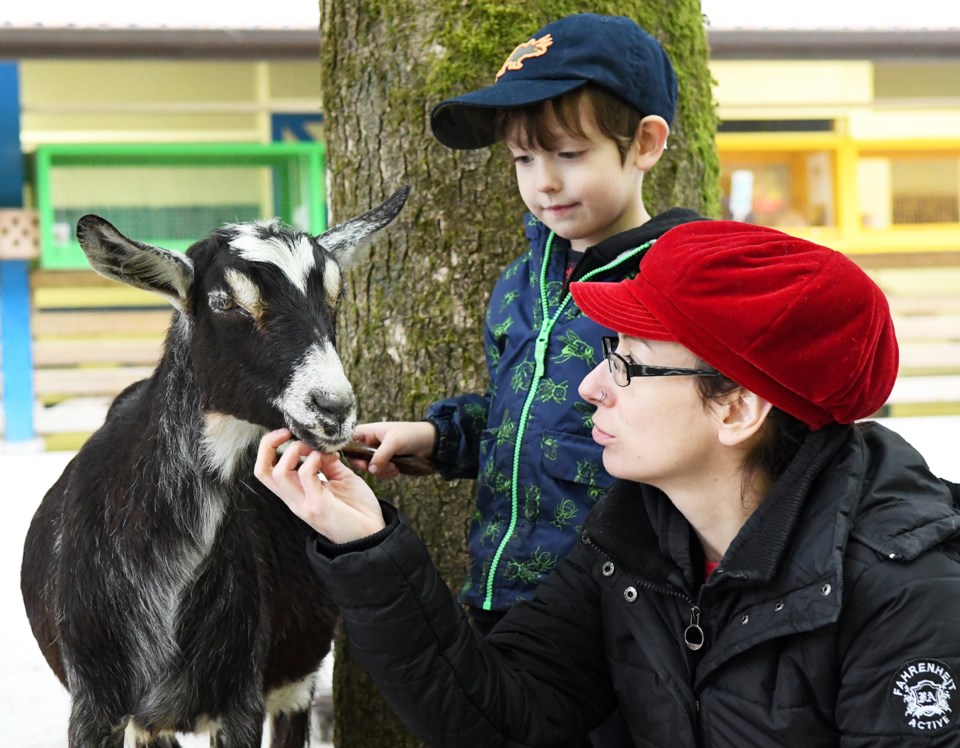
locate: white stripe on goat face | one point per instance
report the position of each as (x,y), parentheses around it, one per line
(246,293)
(332,283)
(295,260)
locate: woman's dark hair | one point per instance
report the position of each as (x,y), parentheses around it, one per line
(527,125)
(780,437)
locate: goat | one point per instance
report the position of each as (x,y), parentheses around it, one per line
(166,588)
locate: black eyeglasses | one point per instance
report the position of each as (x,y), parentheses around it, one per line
(623,371)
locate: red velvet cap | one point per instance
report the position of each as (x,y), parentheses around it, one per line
(798,323)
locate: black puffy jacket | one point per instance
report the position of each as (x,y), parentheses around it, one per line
(833,619)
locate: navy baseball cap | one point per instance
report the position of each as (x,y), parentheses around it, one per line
(612,52)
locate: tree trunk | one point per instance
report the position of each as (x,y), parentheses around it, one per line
(411,323)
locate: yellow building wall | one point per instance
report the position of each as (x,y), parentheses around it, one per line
(752,89)
(113,101)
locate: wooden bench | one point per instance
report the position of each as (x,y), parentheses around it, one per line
(91,338)
(928,331)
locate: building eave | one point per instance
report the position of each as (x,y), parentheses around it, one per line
(179,43)
(823,44)
(108,43)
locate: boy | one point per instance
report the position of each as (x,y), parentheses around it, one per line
(584,107)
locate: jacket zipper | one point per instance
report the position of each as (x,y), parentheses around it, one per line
(695,610)
(540,355)
(693,627)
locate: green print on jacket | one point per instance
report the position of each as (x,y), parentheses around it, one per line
(575,347)
(534,568)
(550,447)
(531,503)
(522,374)
(553,391)
(566,511)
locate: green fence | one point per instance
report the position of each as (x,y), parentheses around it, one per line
(173,194)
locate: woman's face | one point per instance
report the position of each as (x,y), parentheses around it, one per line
(655,430)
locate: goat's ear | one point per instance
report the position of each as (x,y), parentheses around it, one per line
(113,255)
(346,239)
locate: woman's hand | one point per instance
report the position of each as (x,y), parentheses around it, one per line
(321,490)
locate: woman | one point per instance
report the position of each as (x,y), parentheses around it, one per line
(765,572)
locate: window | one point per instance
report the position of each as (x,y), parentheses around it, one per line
(779,189)
(904,189)
(173,194)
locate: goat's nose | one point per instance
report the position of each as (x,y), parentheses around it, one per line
(333,410)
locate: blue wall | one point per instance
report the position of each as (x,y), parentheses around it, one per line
(15,338)
(11,157)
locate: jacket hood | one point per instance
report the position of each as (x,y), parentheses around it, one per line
(905,509)
(612,247)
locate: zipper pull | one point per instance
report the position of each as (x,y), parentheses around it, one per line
(693,635)
(540,353)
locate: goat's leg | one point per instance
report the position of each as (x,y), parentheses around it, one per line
(163,741)
(289,729)
(238,730)
(89,728)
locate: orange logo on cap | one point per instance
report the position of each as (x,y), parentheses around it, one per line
(531,48)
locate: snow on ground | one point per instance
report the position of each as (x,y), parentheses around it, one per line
(34,706)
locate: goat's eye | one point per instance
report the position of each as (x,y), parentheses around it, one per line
(221,301)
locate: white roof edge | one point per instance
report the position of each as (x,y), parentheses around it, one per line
(301,15)
(304,44)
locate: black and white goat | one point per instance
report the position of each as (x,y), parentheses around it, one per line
(166,588)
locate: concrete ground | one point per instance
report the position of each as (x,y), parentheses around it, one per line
(34,706)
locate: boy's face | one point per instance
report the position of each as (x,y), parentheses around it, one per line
(580,188)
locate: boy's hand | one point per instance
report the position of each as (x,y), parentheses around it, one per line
(391,438)
(321,491)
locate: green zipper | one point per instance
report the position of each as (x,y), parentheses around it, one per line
(540,357)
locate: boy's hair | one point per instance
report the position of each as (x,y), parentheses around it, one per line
(526,126)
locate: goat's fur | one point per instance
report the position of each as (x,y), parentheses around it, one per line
(167,589)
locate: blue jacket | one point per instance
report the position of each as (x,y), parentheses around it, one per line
(527,439)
